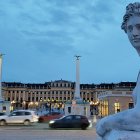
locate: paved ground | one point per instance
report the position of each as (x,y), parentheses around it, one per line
(41,131)
(47,135)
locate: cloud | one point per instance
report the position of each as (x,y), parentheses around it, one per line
(53,25)
(39,30)
(39,18)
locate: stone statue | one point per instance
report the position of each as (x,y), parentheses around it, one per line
(128,120)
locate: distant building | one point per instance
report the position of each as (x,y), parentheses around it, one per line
(117,99)
(54,94)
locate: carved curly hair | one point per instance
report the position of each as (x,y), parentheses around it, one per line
(131,9)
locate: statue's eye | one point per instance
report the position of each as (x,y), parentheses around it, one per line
(129,28)
(138,26)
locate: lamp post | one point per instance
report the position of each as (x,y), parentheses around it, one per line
(94,107)
(50,106)
(12,105)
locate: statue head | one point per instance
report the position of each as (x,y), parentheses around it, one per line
(131,24)
(132,9)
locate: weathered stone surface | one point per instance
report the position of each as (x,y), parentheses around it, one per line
(121,135)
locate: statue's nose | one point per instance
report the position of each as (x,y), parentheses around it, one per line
(135,32)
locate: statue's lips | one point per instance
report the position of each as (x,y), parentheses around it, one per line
(136,40)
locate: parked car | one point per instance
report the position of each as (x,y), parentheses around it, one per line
(50,116)
(70,121)
(25,117)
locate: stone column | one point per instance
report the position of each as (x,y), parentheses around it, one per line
(24,96)
(35,96)
(19,96)
(1,99)
(77,89)
(31,95)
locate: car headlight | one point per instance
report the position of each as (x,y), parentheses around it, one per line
(51,121)
(89,121)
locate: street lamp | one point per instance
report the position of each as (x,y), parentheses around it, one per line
(12,105)
(50,106)
(94,107)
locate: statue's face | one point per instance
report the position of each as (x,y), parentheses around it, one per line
(133,31)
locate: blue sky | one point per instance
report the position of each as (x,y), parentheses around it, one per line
(40,38)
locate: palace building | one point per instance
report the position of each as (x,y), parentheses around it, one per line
(104,98)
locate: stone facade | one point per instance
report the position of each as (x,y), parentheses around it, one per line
(56,93)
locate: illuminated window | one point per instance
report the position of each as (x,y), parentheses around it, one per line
(131,105)
(117,107)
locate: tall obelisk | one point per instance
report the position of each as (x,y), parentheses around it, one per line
(77,106)
(77,89)
(4,105)
(1,99)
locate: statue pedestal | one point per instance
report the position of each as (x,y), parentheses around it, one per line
(77,107)
(121,135)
